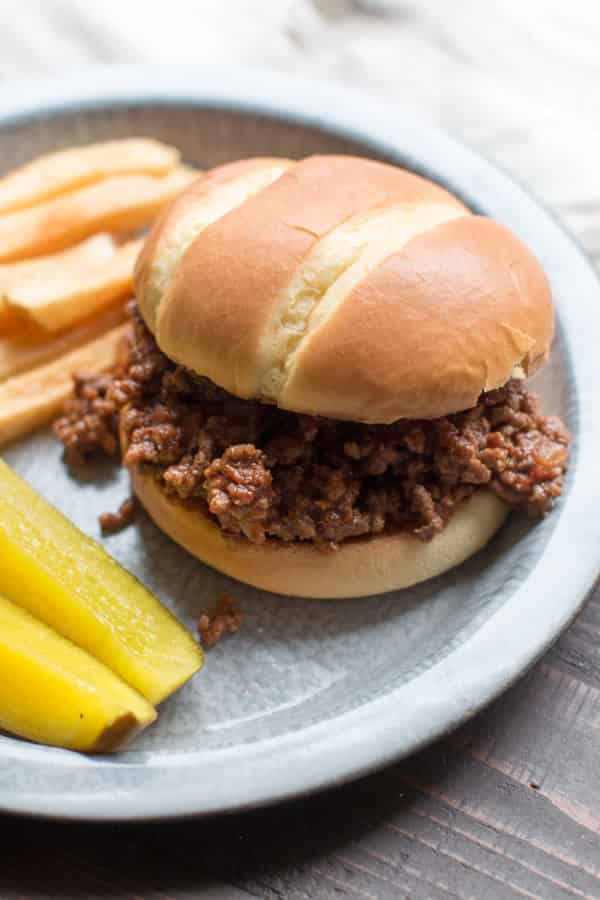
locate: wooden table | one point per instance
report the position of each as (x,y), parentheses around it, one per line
(510,805)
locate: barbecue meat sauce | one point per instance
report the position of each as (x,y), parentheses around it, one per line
(263,472)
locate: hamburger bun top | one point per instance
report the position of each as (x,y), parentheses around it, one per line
(341,287)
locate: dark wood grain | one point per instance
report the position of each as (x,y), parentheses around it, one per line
(509,806)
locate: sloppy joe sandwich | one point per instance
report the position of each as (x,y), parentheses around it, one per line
(325,390)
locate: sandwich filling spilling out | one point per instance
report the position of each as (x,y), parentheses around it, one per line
(263,472)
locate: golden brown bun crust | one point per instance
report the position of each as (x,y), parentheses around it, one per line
(297,281)
(201,194)
(172,213)
(453,314)
(359,568)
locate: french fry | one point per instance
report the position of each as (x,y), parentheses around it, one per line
(72,293)
(27,346)
(30,400)
(75,167)
(96,249)
(120,203)
(8,316)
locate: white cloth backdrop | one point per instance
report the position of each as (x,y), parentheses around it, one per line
(519,79)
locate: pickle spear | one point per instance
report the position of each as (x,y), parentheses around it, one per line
(69,582)
(55,693)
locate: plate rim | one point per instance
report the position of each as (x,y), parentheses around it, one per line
(354,743)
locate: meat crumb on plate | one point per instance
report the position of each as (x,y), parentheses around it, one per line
(112,522)
(224,620)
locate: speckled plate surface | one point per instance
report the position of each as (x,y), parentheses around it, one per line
(311,693)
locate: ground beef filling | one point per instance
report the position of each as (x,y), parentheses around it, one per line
(262,472)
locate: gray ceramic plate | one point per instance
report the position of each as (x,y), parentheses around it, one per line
(312,693)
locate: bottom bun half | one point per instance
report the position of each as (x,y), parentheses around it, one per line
(358,568)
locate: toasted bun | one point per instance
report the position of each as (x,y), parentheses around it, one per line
(358,568)
(342,287)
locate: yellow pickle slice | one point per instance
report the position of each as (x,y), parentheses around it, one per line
(68,581)
(55,693)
